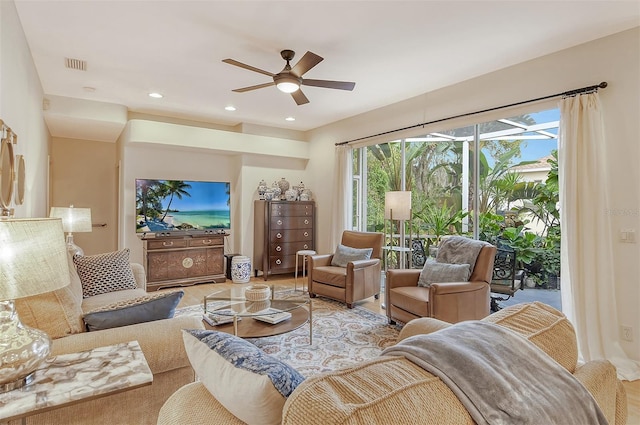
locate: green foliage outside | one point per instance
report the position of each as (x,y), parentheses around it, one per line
(440,221)
(434,175)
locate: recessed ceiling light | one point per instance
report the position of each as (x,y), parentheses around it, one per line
(156,95)
(230,108)
(290,119)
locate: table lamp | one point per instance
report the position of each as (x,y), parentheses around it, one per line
(33,260)
(73,220)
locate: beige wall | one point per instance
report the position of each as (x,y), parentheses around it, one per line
(84,174)
(21,109)
(615,59)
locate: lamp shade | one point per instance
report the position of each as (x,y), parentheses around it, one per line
(33,257)
(73,219)
(397,205)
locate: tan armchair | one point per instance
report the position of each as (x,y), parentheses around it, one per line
(358,280)
(451,302)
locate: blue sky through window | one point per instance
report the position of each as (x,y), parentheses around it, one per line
(536,149)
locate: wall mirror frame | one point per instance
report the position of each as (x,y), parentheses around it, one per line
(20,176)
(6,172)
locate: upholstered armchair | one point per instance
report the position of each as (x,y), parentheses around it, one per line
(451,302)
(357,280)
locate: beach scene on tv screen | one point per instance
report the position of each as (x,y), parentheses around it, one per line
(168,205)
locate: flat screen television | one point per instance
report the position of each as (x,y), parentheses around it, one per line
(182,205)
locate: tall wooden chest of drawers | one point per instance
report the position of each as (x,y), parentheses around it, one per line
(183,260)
(281,228)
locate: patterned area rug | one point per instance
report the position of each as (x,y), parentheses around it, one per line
(341,337)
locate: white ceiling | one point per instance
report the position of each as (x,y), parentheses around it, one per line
(393,50)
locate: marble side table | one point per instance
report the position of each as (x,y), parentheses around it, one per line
(72,378)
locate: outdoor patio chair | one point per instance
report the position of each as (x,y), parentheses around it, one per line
(506,279)
(418,254)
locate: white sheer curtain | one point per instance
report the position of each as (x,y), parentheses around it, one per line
(341,217)
(588,276)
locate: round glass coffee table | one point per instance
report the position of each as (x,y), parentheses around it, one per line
(229,311)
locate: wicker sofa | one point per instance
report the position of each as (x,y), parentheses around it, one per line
(59,313)
(394,390)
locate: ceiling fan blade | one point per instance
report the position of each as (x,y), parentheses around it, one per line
(308,61)
(340,85)
(249,67)
(299,97)
(258,86)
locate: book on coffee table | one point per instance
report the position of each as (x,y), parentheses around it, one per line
(274,316)
(218,319)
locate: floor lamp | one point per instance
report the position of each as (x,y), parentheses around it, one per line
(73,220)
(397,206)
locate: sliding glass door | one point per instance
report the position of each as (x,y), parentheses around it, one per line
(495,181)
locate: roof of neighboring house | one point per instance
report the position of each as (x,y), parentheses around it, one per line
(541,164)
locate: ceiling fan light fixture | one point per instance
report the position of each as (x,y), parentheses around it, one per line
(287,83)
(287,87)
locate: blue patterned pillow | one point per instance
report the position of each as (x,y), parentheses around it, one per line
(249,383)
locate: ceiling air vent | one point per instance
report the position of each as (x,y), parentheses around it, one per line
(76,64)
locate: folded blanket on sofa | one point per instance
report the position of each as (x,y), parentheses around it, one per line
(500,377)
(459,250)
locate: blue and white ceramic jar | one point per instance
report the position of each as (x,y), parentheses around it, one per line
(240,269)
(276,191)
(262,188)
(291,195)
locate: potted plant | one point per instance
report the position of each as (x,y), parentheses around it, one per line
(550,257)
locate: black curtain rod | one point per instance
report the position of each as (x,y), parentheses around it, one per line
(564,94)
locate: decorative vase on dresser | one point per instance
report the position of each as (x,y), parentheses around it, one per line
(262,188)
(284,185)
(275,188)
(281,228)
(291,195)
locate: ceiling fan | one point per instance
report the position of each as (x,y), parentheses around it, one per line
(290,79)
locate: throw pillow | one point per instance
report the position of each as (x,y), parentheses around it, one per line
(246,381)
(434,272)
(58,313)
(346,254)
(104,273)
(136,310)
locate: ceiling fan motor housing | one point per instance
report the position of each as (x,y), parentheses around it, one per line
(287,54)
